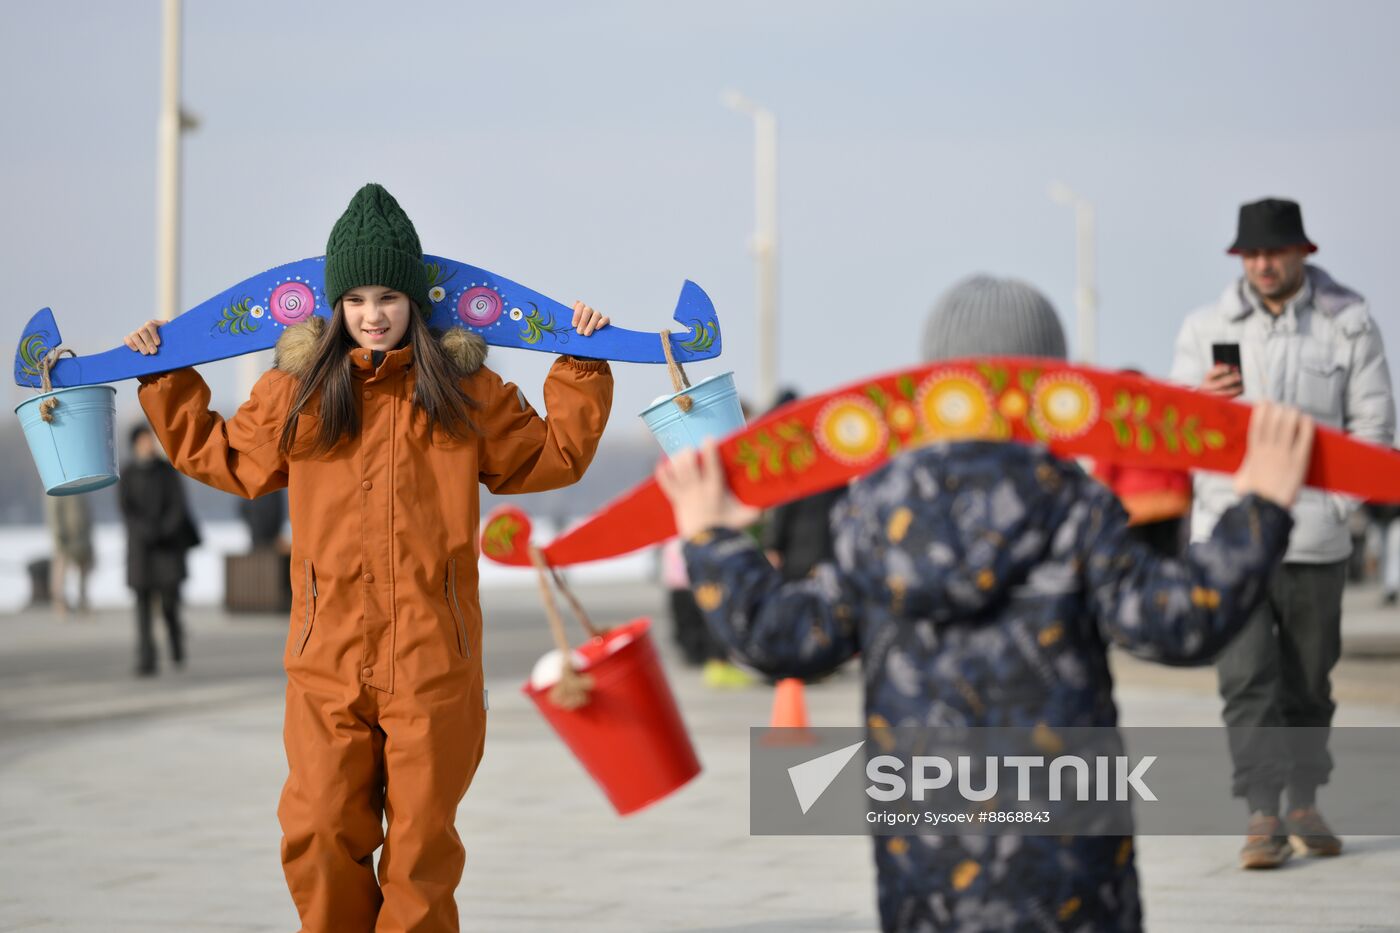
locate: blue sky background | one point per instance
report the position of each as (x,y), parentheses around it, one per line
(582,149)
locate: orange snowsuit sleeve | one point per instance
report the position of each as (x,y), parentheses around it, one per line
(522,452)
(239,454)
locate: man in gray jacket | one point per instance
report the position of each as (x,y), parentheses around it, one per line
(1286,331)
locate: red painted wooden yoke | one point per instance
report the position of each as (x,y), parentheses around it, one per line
(827,440)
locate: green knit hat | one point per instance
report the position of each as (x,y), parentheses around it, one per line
(374,243)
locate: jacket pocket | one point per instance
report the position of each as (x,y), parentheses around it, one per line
(1319,529)
(1321,381)
(308,612)
(453,606)
(308,429)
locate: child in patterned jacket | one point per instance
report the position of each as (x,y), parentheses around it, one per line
(981,583)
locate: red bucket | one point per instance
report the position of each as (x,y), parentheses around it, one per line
(629,736)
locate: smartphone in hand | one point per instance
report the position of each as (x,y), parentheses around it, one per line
(1229,354)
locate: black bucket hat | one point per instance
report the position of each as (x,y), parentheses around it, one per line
(1272,223)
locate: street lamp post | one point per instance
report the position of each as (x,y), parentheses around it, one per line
(765,240)
(168,168)
(1086,299)
(174,121)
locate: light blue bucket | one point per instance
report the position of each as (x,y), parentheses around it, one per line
(77,451)
(714,412)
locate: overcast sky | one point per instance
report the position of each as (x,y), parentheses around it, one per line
(582,149)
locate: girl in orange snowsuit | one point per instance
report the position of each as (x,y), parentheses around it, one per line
(381,430)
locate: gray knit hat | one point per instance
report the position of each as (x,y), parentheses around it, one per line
(987,316)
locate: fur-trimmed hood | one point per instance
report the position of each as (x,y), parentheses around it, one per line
(296,348)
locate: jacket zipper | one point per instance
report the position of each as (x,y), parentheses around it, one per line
(456,608)
(310,608)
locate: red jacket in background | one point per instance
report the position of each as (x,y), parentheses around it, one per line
(1149,494)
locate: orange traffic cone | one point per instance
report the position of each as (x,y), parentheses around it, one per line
(788,726)
(789,705)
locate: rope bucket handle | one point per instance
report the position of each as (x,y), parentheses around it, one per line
(573,689)
(50,360)
(678,377)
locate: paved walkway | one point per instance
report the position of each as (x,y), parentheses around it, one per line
(160,816)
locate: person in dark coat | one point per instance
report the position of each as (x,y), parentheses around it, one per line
(159,533)
(797,535)
(264,517)
(981,584)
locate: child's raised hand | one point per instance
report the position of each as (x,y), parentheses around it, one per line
(146,338)
(586,320)
(1277,457)
(699,495)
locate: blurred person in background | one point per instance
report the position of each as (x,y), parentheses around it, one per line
(981,584)
(265,517)
(797,535)
(70,526)
(1303,339)
(1386,520)
(699,647)
(159,533)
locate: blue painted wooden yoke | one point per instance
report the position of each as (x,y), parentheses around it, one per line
(252,315)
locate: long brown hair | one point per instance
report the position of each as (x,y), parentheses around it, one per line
(437,390)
